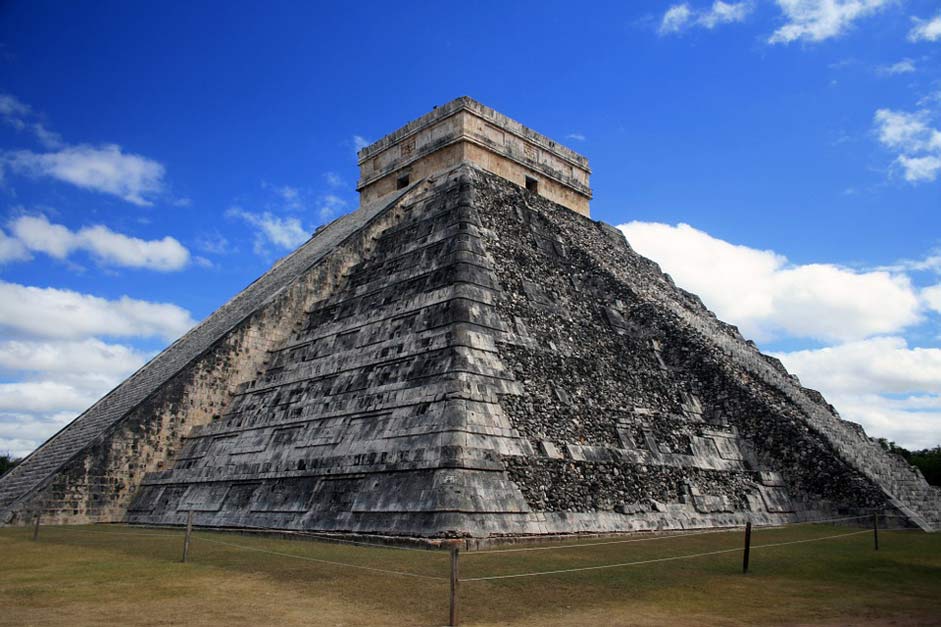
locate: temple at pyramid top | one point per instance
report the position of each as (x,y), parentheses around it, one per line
(465,131)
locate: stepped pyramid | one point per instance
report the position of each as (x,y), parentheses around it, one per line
(467,354)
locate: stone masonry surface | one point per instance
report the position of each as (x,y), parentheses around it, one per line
(89,470)
(468,359)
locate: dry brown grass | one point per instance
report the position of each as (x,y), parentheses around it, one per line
(113,575)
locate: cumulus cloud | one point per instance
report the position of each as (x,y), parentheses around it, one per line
(77,359)
(768,298)
(925,30)
(932,297)
(680,17)
(59,313)
(905,66)
(916,143)
(890,388)
(879,365)
(37,234)
(868,372)
(42,396)
(106,169)
(12,249)
(52,363)
(282,232)
(817,20)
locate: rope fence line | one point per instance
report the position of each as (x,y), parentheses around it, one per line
(663,537)
(455,551)
(321,561)
(171,533)
(656,560)
(329,538)
(605,543)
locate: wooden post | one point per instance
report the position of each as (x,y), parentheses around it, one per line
(747,547)
(875,530)
(36,528)
(453,618)
(189,532)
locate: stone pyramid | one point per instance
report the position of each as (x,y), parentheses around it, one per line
(467,354)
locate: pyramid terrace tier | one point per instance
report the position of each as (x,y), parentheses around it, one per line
(477,361)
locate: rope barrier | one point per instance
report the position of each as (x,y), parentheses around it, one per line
(665,537)
(327,538)
(111,533)
(653,561)
(812,522)
(605,543)
(841,535)
(320,561)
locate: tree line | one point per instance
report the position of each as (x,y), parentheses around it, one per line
(7,462)
(927,460)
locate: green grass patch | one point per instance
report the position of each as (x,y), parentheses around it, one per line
(88,575)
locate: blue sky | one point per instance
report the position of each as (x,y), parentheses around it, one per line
(780,158)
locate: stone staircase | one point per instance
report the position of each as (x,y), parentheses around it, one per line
(903,485)
(41,465)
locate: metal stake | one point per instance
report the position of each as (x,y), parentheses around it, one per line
(747,547)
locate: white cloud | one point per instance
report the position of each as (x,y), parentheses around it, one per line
(917,144)
(333,179)
(42,396)
(330,205)
(282,232)
(905,66)
(892,389)
(676,19)
(39,235)
(215,244)
(20,432)
(59,313)
(857,376)
(679,17)
(725,13)
(932,297)
(21,117)
(12,249)
(61,369)
(88,355)
(767,297)
(579,137)
(360,142)
(879,365)
(290,197)
(929,263)
(925,30)
(817,20)
(920,169)
(13,111)
(104,169)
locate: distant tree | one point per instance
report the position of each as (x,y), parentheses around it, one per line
(7,462)
(928,460)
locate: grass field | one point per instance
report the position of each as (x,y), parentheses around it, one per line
(133,576)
